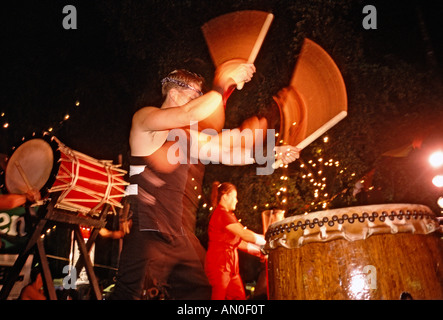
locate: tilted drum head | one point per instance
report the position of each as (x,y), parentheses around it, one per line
(31,163)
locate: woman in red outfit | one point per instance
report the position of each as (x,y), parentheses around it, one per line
(226,235)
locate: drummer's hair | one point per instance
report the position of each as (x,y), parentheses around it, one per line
(218,190)
(179,78)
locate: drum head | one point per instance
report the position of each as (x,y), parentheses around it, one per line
(30,166)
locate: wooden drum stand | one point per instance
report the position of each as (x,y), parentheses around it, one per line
(35,244)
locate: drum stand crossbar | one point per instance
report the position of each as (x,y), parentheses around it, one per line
(35,243)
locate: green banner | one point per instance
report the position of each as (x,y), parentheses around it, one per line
(12,230)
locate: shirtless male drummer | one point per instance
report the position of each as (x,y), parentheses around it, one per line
(157,242)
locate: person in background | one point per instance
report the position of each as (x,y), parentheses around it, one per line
(226,236)
(34,290)
(11,201)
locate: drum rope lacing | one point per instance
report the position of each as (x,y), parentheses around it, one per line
(408,214)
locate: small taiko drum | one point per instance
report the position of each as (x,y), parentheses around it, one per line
(84,184)
(391,251)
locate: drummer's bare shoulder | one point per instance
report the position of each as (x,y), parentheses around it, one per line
(141,118)
(142,139)
(159,119)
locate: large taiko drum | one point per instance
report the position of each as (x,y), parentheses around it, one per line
(84,184)
(391,251)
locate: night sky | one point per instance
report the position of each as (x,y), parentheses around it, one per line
(113,62)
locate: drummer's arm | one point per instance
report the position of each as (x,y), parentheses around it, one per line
(11,201)
(250,248)
(245,234)
(211,148)
(155,119)
(229,148)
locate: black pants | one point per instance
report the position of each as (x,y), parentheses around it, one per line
(175,264)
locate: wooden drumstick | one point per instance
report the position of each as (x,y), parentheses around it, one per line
(316,134)
(258,43)
(23,175)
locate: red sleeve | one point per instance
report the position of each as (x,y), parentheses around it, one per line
(227,218)
(217,227)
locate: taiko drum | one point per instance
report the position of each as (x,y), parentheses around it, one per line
(82,183)
(370,252)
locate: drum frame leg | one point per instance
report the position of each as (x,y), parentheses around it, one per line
(35,243)
(21,260)
(47,278)
(84,253)
(94,233)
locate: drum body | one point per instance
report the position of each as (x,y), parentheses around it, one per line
(371,252)
(83,184)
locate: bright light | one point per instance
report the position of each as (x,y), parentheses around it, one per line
(436,159)
(438,181)
(440,202)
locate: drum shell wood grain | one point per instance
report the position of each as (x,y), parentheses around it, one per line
(335,269)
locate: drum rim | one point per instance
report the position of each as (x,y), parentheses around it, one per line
(321,213)
(55,163)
